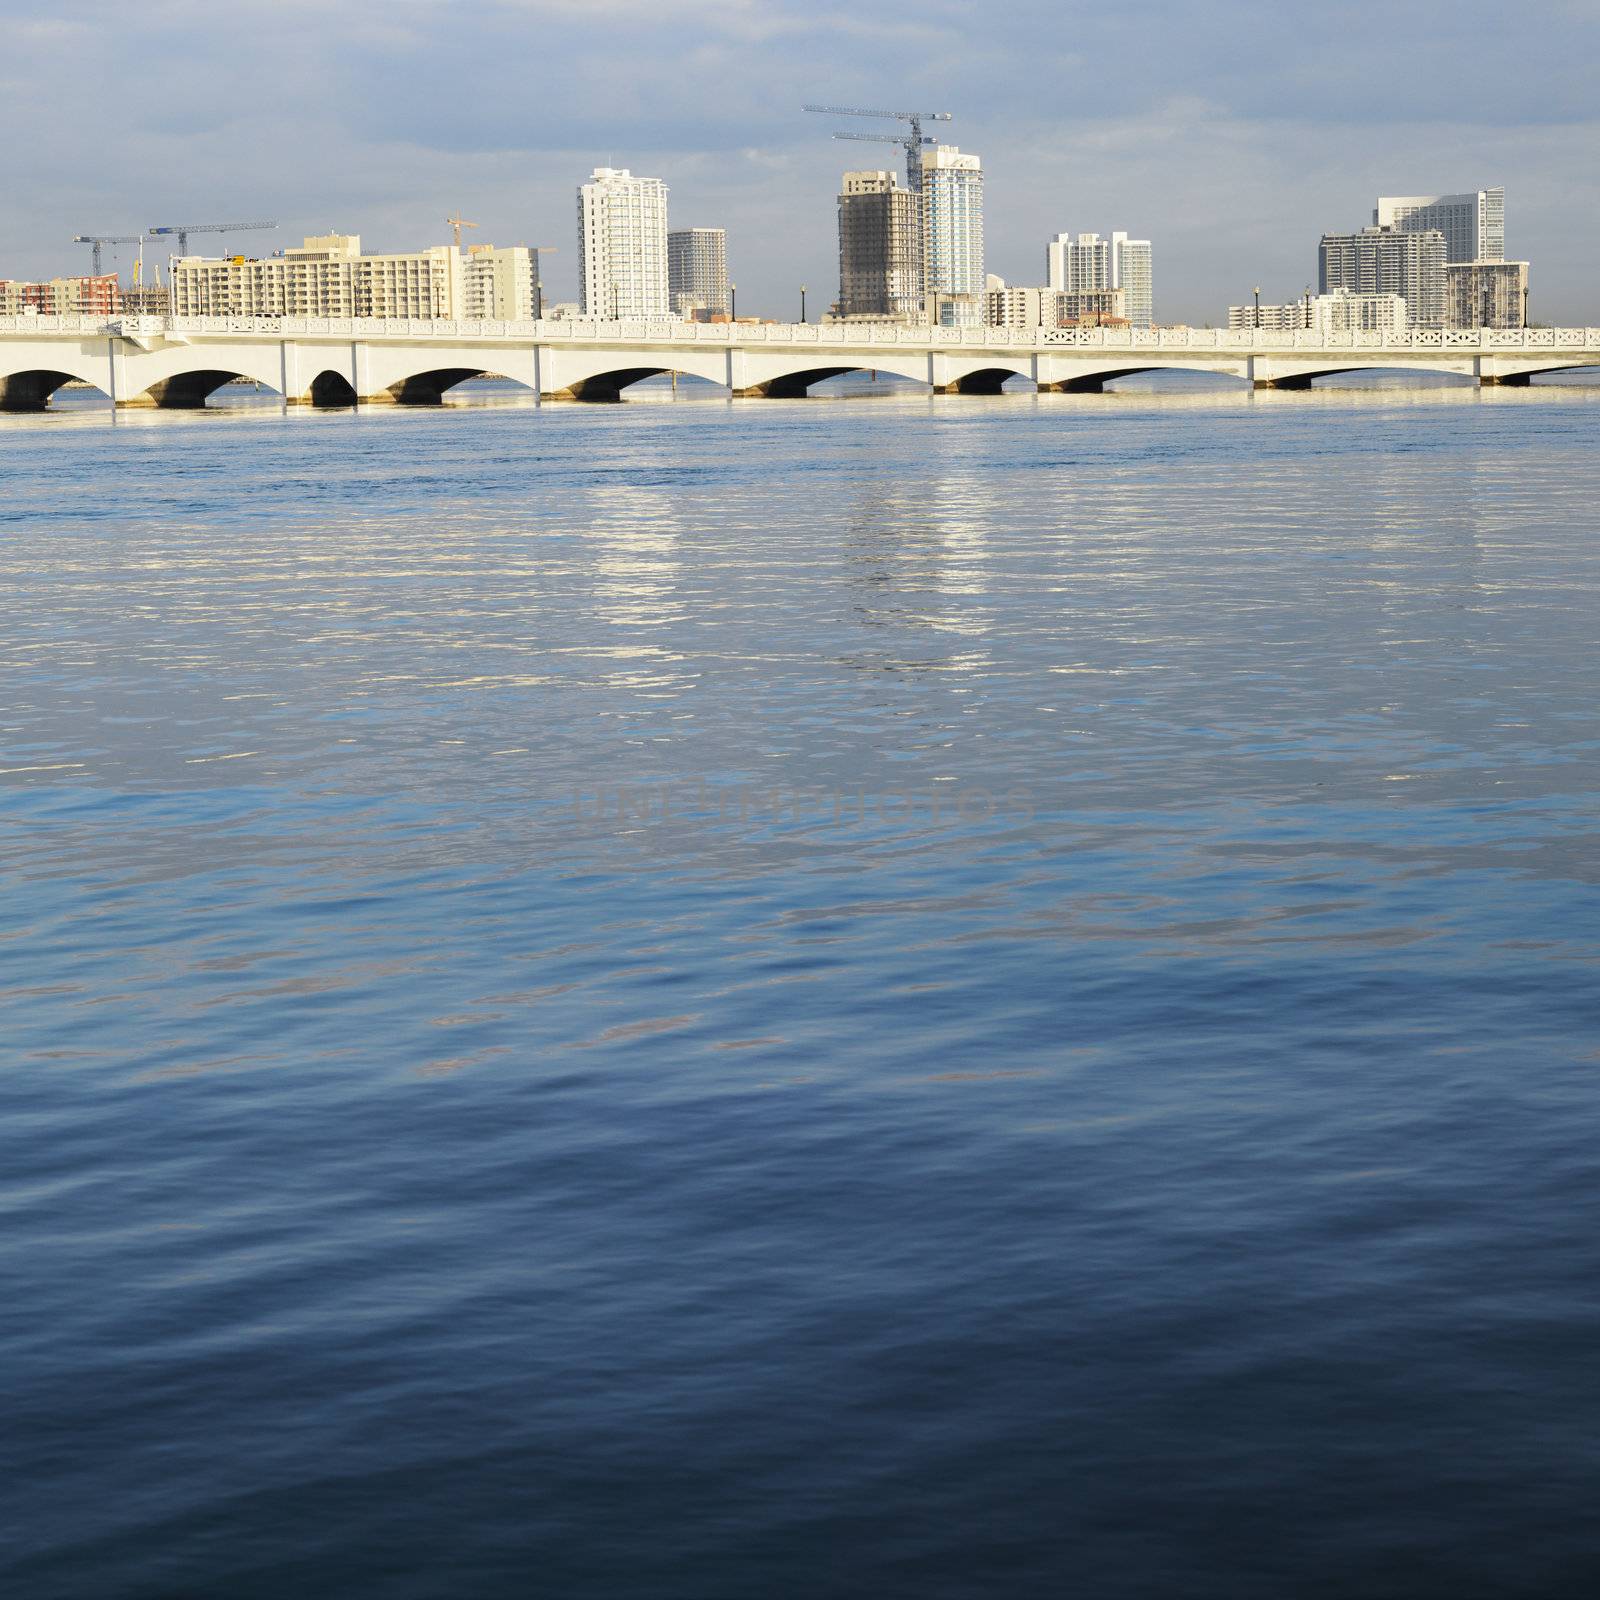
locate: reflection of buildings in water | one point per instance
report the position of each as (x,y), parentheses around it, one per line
(919,549)
(634,535)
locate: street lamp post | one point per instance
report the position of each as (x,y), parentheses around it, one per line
(802,302)
(733,302)
(1258,308)
(538,283)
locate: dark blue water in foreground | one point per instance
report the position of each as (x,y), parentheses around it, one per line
(889,998)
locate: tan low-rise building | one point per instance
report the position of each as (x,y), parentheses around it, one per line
(83,297)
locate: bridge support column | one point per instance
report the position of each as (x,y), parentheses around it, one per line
(1261,374)
(1485,368)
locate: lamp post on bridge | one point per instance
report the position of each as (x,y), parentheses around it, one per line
(733,302)
(802,302)
(1258,308)
(538,283)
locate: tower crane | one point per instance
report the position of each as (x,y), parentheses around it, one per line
(184,229)
(100,240)
(458,222)
(913,141)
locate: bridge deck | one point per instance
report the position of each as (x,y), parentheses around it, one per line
(179,361)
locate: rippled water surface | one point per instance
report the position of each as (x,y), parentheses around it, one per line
(889,997)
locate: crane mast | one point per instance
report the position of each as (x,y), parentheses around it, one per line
(100,240)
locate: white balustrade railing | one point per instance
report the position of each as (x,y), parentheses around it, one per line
(580,331)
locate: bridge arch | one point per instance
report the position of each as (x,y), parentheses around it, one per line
(183,378)
(587,374)
(1519,374)
(985,378)
(31,388)
(429,388)
(330,388)
(788,376)
(1086,379)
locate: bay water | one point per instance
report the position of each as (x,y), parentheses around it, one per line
(892,996)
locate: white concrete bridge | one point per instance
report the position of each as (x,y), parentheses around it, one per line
(178,362)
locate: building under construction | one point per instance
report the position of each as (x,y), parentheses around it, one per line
(880,249)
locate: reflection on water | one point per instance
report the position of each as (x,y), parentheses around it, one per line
(945,996)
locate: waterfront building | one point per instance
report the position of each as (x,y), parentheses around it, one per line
(697,270)
(880,250)
(1095,308)
(1486,294)
(1021,307)
(622,245)
(1338,312)
(1473,225)
(327,276)
(1383,260)
(952,237)
(1025,307)
(497,283)
(1085,262)
(87,296)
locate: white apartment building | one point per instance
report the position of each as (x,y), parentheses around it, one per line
(497,283)
(952,237)
(1025,307)
(622,245)
(697,269)
(1086,262)
(327,276)
(1339,312)
(1407,263)
(1473,225)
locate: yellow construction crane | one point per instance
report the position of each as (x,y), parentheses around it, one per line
(458,222)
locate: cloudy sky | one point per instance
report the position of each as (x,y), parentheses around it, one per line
(1230,134)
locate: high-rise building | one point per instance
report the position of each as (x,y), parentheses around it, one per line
(1473,225)
(952,237)
(497,283)
(1486,294)
(1133,266)
(880,249)
(1381,260)
(622,245)
(1339,312)
(697,269)
(327,276)
(1085,262)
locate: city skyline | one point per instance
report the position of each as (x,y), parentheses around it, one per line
(1230,187)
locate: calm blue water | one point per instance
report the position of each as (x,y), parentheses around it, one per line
(899,997)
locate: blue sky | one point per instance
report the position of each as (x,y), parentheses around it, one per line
(1231,135)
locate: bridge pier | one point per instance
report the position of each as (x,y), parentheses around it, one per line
(1490,377)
